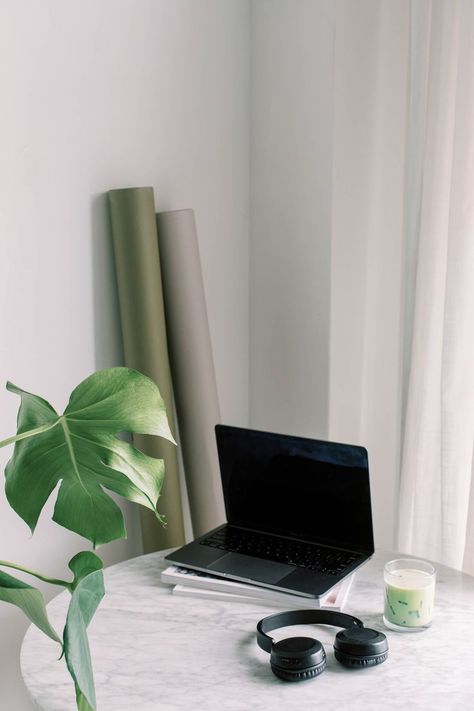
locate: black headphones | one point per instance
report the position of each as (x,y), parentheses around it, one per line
(299,658)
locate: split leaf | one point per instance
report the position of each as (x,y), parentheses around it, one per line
(80,451)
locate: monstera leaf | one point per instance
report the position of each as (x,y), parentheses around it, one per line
(88,592)
(79,450)
(28,599)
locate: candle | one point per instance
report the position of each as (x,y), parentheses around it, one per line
(409,594)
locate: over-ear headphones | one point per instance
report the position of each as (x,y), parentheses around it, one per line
(299,658)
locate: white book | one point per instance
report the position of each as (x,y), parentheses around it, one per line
(198,584)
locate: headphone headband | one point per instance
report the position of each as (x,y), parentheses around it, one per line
(302,617)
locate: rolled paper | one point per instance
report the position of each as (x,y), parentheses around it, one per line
(192,366)
(137,260)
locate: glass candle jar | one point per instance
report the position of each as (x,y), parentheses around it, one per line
(409,594)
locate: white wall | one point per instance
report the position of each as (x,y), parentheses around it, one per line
(291,168)
(98,95)
(328,114)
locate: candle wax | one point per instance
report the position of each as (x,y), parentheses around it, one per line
(409,597)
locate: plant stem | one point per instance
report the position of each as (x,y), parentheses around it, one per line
(29,433)
(44,578)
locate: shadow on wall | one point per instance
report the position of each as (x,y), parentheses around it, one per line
(106,318)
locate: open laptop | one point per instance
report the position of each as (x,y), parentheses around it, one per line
(298,512)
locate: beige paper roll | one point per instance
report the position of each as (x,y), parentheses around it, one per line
(192,366)
(137,260)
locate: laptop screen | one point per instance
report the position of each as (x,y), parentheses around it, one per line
(297,487)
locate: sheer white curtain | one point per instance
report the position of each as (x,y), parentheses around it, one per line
(371,65)
(437,483)
(402,265)
(362,199)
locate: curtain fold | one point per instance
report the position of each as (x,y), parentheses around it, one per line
(367,244)
(437,493)
(402,262)
(137,260)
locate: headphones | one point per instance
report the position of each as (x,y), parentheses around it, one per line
(300,658)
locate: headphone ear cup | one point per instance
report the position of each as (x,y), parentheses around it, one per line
(298,676)
(359,647)
(297,658)
(360,663)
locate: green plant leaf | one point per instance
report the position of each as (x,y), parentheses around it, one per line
(83,564)
(85,599)
(81,701)
(80,451)
(28,599)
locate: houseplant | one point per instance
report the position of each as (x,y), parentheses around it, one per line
(79,452)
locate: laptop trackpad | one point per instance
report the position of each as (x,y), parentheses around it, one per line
(245,566)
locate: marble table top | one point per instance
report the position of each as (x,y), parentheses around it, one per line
(153,651)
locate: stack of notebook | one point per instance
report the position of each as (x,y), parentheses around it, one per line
(197,584)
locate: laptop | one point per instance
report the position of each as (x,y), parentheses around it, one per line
(298,510)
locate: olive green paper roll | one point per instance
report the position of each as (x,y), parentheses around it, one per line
(137,260)
(192,366)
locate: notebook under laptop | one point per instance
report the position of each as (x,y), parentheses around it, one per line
(298,512)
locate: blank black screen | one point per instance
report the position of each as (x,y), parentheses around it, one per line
(293,486)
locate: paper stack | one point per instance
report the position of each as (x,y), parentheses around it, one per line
(196,584)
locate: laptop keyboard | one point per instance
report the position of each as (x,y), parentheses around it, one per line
(283,550)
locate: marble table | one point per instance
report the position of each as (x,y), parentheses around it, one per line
(153,651)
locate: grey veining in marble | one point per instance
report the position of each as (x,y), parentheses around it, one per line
(156,652)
